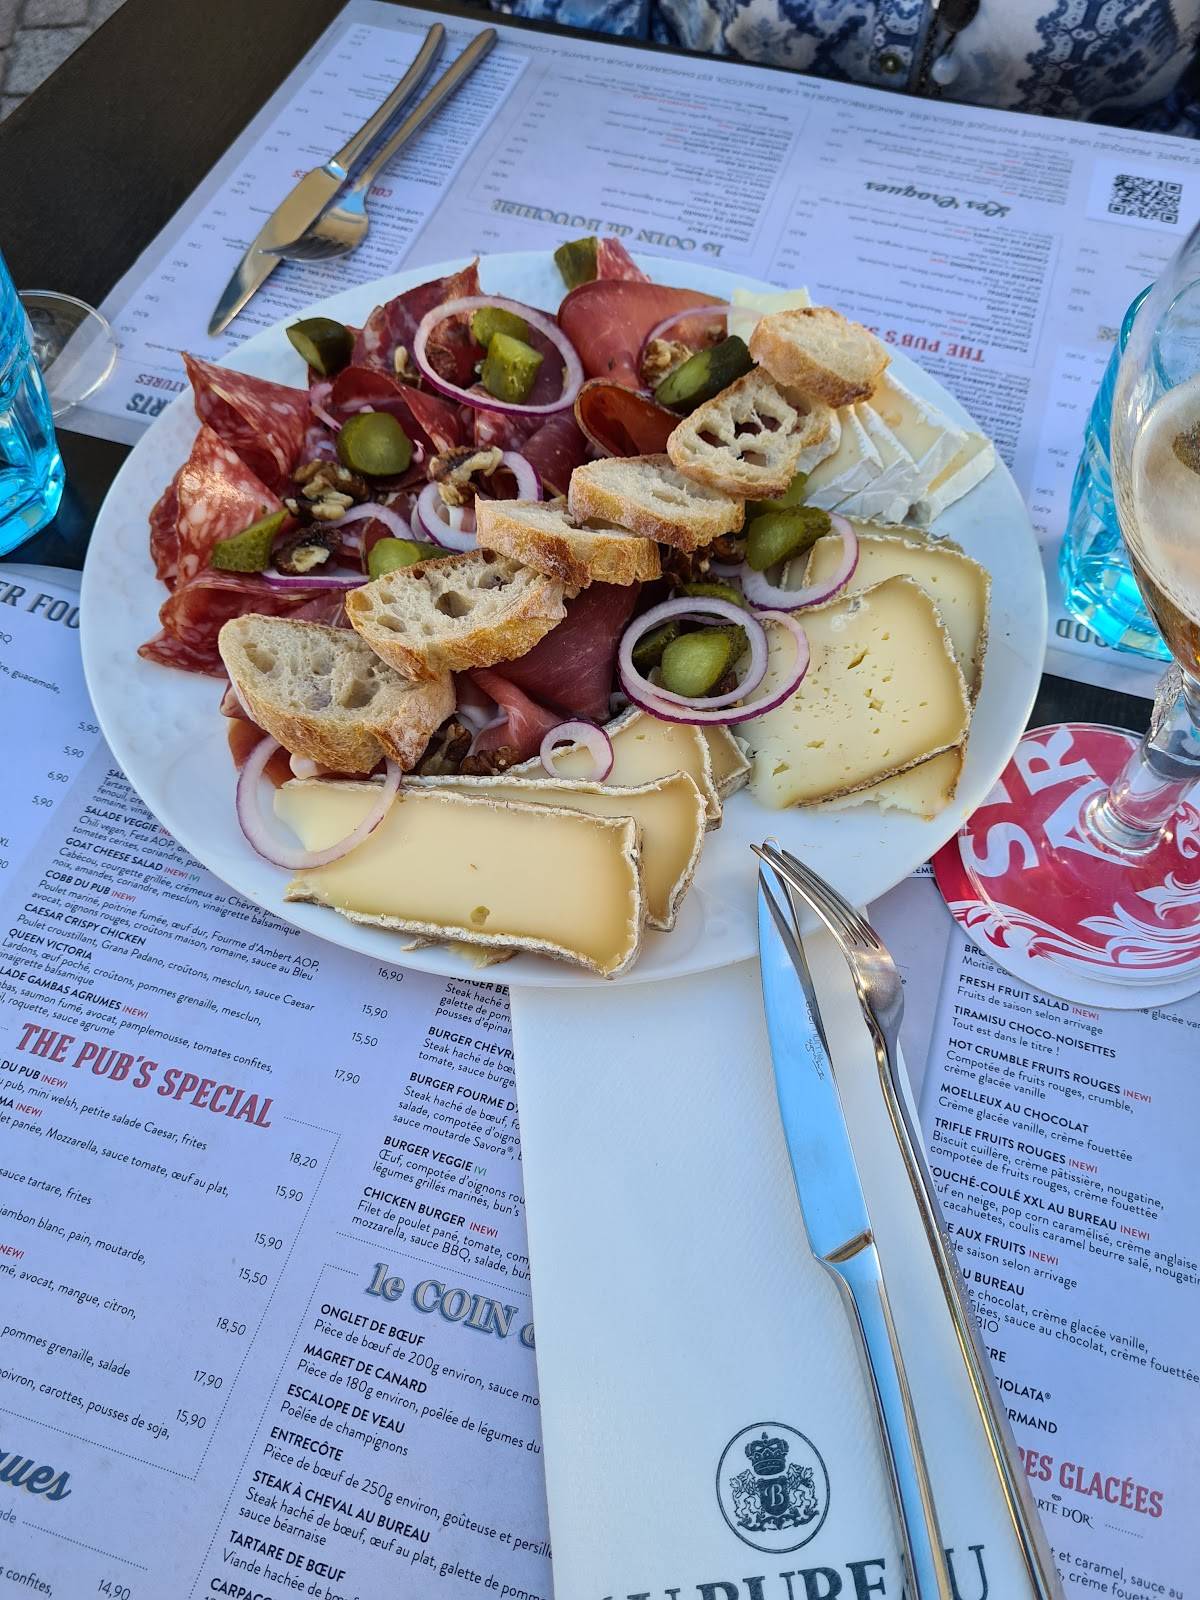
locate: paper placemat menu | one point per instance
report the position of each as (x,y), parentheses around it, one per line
(1007,279)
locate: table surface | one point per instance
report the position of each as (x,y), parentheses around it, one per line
(177,111)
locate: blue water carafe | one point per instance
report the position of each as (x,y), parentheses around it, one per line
(31,469)
(1099,588)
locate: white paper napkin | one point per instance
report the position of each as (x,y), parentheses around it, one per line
(680,1315)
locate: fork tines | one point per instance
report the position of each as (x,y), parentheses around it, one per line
(838,915)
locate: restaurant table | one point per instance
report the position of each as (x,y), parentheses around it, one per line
(169,114)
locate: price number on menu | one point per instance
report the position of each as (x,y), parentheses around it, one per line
(268,1241)
(252,1276)
(284,1192)
(191,1419)
(367,1039)
(114,1591)
(374,1011)
(344,1075)
(209,1380)
(232,1326)
(299,1159)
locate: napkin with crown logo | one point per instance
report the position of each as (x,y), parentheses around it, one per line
(708,1427)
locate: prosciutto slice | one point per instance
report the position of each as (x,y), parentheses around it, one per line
(571,668)
(613,261)
(194,615)
(216,495)
(264,422)
(527,723)
(607,321)
(452,351)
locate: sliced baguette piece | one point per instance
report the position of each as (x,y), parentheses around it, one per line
(883,692)
(730,763)
(669,811)
(819,352)
(650,496)
(545,537)
(460,611)
(748,439)
(486,872)
(327,696)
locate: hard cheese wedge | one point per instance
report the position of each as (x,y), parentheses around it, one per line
(926,789)
(643,749)
(557,882)
(883,692)
(729,764)
(669,812)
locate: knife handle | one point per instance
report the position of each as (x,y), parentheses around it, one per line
(861,1278)
(361,141)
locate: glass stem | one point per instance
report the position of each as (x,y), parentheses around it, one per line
(1157,777)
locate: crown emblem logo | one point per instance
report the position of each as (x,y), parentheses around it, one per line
(767,1456)
(784,1489)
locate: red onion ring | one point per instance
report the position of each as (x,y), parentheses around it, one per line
(292,582)
(597,743)
(479,398)
(695,607)
(529,485)
(393,520)
(761,592)
(719,308)
(453,527)
(259,834)
(665,711)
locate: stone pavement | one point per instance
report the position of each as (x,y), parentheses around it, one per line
(38,35)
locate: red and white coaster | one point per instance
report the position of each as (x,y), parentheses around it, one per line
(1057,909)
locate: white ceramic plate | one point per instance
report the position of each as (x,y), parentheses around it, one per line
(164,728)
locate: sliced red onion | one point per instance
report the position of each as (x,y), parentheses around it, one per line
(479,398)
(720,309)
(696,608)
(292,582)
(395,523)
(726,569)
(259,833)
(431,509)
(327,417)
(761,592)
(597,743)
(498,721)
(699,715)
(529,485)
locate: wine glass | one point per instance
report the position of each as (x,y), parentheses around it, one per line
(1081,871)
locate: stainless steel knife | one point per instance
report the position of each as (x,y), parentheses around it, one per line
(316,189)
(839,1226)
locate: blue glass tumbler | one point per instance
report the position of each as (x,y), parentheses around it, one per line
(1099,588)
(31,469)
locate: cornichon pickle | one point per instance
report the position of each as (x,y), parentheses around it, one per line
(695,662)
(374,444)
(647,652)
(323,343)
(491,320)
(779,535)
(385,555)
(509,369)
(792,496)
(710,589)
(704,375)
(250,550)
(576,260)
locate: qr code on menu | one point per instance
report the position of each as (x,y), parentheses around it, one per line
(1151,199)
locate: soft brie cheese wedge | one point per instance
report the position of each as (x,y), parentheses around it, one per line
(851,467)
(644,749)
(929,436)
(751,304)
(888,497)
(970,465)
(730,765)
(557,882)
(882,692)
(670,813)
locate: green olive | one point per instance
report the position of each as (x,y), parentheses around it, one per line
(692,664)
(777,536)
(792,496)
(647,652)
(250,550)
(323,343)
(385,555)
(491,320)
(374,444)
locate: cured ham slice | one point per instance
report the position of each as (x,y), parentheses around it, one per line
(264,422)
(452,351)
(216,496)
(613,261)
(527,722)
(554,451)
(194,615)
(620,422)
(607,321)
(571,668)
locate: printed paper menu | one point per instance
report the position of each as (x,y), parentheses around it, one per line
(265,1324)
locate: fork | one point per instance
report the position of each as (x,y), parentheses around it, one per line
(344,226)
(881,995)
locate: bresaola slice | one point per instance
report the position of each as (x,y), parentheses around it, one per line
(264,422)
(554,451)
(452,351)
(607,321)
(571,668)
(621,422)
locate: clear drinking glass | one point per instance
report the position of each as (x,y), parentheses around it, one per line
(31,469)
(1087,853)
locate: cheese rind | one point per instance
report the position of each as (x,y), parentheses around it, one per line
(643,749)
(669,812)
(929,436)
(925,789)
(882,693)
(969,466)
(852,466)
(487,872)
(730,764)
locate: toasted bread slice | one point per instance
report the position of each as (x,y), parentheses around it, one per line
(327,696)
(820,353)
(461,611)
(650,496)
(748,440)
(546,538)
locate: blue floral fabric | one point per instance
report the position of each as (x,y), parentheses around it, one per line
(1131,62)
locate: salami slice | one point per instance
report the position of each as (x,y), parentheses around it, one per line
(264,422)
(607,321)
(164,534)
(554,451)
(217,495)
(571,669)
(613,261)
(194,615)
(452,351)
(504,431)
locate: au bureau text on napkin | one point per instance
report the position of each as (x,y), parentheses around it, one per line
(706,1417)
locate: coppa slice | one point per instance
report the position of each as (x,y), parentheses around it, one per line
(670,813)
(651,497)
(882,693)
(489,872)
